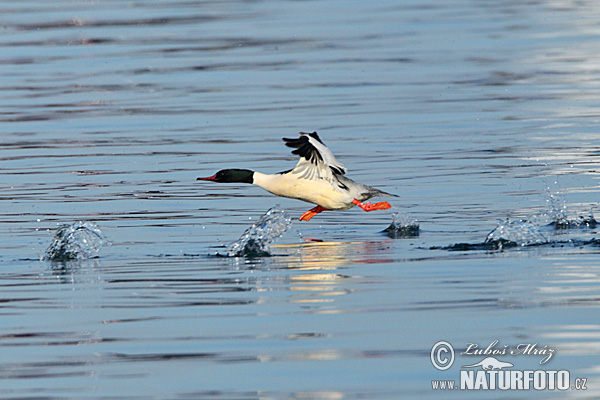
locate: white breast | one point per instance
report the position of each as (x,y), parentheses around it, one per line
(320,192)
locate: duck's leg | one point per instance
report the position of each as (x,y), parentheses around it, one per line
(311,213)
(382,205)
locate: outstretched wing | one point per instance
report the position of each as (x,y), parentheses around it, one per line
(316,160)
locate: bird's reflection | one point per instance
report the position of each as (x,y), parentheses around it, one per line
(326,267)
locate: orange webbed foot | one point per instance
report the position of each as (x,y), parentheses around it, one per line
(311,213)
(382,205)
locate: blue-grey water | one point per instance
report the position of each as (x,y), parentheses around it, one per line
(471,111)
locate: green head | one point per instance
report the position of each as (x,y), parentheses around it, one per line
(231,176)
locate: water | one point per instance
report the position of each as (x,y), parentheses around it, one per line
(522,233)
(472,112)
(78,241)
(509,234)
(402,226)
(256,241)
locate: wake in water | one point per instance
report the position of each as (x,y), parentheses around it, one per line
(511,234)
(507,234)
(79,241)
(402,227)
(522,233)
(257,239)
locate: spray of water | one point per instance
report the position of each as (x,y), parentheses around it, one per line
(521,233)
(557,208)
(257,239)
(507,234)
(79,241)
(559,215)
(402,226)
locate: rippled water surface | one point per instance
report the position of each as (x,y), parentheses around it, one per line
(478,114)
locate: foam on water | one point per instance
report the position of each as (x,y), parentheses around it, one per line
(257,239)
(78,241)
(402,226)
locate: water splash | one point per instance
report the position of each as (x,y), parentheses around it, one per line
(257,239)
(402,226)
(557,211)
(507,234)
(78,241)
(582,222)
(559,215)
(521,233)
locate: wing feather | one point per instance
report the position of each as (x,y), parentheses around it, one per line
(316,160)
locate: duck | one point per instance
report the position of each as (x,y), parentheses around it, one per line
(318,178)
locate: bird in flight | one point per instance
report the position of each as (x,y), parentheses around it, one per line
(318,178)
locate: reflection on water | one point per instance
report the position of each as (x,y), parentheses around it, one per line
(467,110)
(322,265)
